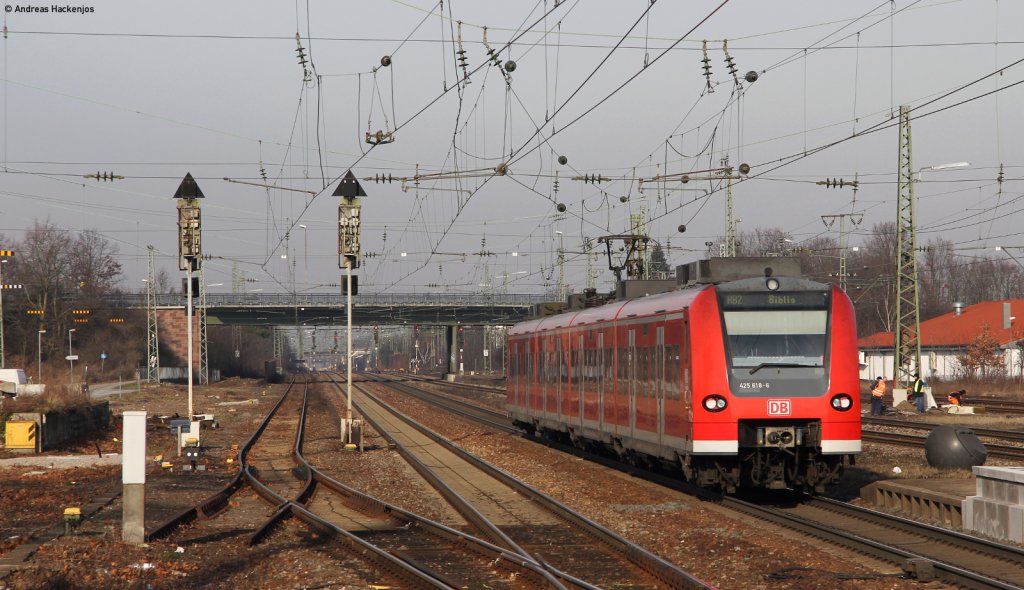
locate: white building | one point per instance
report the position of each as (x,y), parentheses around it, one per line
(945,338)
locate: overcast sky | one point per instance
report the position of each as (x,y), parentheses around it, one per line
(151,90)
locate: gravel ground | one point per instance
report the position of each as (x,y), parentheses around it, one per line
(729,551)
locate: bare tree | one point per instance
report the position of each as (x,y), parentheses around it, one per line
(60,271)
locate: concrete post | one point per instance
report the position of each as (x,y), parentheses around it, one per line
(133,478)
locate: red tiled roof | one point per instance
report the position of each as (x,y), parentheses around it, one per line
(953,330)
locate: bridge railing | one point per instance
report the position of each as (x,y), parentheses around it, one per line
(138,300)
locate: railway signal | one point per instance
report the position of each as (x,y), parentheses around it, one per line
(190,253)
(349,225)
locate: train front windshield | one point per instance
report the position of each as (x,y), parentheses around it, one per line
(777,344)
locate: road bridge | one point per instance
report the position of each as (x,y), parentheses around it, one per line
(325,309)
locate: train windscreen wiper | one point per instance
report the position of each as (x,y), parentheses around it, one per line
(784,365)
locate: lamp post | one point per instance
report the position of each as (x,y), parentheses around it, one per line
(71,359)
(190,254)
(2,262)
(305,256)
(39,356)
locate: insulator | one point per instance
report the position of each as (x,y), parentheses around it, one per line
(729,63)
(707,67)
(563,160)
(385,61)
(300,51)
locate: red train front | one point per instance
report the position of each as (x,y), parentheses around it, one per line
(744,383)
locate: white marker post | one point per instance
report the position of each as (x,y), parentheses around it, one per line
(133,478)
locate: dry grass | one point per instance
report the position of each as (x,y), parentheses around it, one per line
(991,386)
(57,397)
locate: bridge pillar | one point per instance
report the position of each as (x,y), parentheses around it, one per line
(172,330)
(451,340)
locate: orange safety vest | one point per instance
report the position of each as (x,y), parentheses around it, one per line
(879,389)
(953,400)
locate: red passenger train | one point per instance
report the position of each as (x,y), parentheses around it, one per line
(749,383)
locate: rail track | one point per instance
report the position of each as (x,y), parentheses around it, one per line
(512,514)
(1014,435)
(994,404)
(923,551)
(913,440)
(406,548)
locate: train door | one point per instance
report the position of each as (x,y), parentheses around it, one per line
(659,382)
(542,375)
(513,374)
(687,380)
(603,381)
(559,366)
(528,378)
(584,378)
(631,388)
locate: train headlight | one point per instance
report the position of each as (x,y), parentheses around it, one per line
(714,403)
(842,402)
(772,284)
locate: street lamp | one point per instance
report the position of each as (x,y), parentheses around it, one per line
(942,167)
(71,359)
(39,358)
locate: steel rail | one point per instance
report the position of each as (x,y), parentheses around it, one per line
(949,572)
(913,440)
(386,561)
(986,432)
(215,503)
(908,560)
(659,568)
(367,504)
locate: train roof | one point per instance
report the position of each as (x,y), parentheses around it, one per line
(640,306)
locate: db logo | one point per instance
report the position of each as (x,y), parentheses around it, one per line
(779,407)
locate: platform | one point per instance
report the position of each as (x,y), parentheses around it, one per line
(998,508)
(940,500)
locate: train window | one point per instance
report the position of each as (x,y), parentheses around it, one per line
(609,369)
(625,363)
(647,376)
(641,371)
(774,337)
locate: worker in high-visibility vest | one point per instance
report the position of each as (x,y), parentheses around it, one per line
(917,390)
(957,397)
(876,397)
